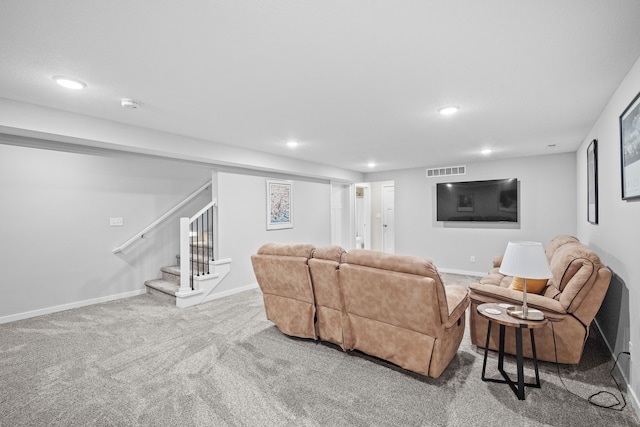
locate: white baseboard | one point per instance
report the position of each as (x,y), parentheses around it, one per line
(634,400)
(230,292)
(464,272)
(630,393)
(63,307)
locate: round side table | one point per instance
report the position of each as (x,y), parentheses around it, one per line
(498,313)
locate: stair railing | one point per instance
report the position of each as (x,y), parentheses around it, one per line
(158,221)
(196,245)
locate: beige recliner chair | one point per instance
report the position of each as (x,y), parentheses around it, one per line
(570,300)
(282,273)
(398,309)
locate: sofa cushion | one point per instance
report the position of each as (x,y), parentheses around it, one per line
(496,278)
(535,286)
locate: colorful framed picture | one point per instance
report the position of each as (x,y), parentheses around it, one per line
(592,182)
(279,204)
(630,149)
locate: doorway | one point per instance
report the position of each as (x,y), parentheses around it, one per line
(363,216)
(374,216)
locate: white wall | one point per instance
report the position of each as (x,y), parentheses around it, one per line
(56,249)
(56,245)
(547,208)
(242,221)
(616,238)
(341,219)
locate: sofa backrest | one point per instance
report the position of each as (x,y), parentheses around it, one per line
(281,268)
(282,273)
(579,280)
(557,242)
(399,290)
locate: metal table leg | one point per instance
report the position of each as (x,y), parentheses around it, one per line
(517,387)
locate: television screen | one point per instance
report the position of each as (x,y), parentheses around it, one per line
(489,201)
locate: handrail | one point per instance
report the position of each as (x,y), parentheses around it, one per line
(213,203)
(141,234)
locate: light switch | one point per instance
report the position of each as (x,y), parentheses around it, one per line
(116,222)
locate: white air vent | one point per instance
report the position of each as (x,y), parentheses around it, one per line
(446,171)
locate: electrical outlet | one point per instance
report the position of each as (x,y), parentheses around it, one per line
(472,258)
(116,222)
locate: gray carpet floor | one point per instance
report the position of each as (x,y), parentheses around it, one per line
(143,362)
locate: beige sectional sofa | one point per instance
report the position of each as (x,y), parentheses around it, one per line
(394,307)
(570,300)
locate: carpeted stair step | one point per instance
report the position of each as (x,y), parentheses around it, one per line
(162,288)
(168,284)
(171,273)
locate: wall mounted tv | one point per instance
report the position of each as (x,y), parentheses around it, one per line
(486,201)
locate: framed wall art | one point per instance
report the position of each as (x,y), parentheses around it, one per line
(279,204)
(592,182)
(630,149)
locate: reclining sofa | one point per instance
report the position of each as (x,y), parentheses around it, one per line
(570,300)
(394,307)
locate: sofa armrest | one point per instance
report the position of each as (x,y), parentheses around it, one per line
(549,306)
(457,303)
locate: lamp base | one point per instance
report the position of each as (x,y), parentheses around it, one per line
(532,313)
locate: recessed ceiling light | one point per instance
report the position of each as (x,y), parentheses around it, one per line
(69,82)
(486,151)
(371,165)
(448,110)
(292,144)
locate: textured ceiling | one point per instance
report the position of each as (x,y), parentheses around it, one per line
(352,81)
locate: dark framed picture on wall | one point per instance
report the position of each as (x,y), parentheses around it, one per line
(630,149)
(465,203)
(592,182)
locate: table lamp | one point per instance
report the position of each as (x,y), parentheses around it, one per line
(526,260)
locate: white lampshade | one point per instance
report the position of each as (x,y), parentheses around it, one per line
(526,260)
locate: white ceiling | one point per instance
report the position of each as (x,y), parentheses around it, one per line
(353,81)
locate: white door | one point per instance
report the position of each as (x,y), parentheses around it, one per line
(388,221)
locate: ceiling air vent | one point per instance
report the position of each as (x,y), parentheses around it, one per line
(446,171)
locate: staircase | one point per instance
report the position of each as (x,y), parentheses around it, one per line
(168,285)
(197,274)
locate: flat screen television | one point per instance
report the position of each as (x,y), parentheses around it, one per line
(486,201)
